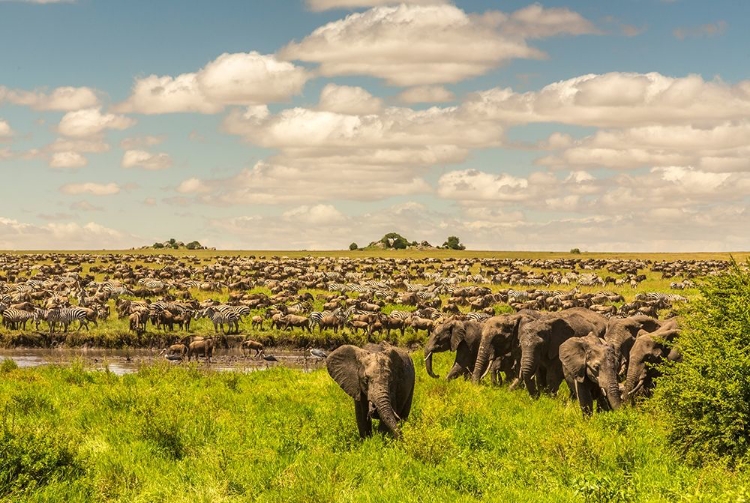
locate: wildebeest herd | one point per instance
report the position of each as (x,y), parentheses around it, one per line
(511,316)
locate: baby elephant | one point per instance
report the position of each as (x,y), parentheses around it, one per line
(249,345)
(380,379)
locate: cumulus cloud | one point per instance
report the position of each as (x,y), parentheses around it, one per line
(96,189)
(426,94)
(617,100)
(348,100)
(91,122)
(320,5)
(67,160)
(63,99)
(410,45)
(62,235)
(273,184)
(231,79)
(320,214)
(721,148)
(146,160)
(5,130)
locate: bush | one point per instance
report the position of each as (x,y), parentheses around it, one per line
(707,396)
(575,251)
(353,246)
(453,243)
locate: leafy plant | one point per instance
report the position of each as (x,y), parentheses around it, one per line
(706,397)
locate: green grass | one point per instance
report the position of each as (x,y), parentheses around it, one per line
(187,434)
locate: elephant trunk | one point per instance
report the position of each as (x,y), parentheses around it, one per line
(611,390)
(428,365)
(636,376)
(483,359)
(382,403)
(528,369)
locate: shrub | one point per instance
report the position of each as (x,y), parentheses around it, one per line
(575,251)
(453,243)
(707,396)
(353,246)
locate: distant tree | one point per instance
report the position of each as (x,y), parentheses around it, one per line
(194,245)
(394,240)
(172,241)
(158,245)
(353,246)
(453,243)
(575,251)
(400,244)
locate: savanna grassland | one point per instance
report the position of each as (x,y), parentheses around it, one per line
(189,433)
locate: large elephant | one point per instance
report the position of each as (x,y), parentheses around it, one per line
(621,333)
(463,337)
(500,341)
(648,350)
(590,369)
(380,379)
(540,342)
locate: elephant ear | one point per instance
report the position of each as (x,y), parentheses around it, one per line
(458,334)
(343,366)
(401,365)
(573,358)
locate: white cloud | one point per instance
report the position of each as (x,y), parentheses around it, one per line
(617,100)
(5,130)
(67,160)
(320,214)
(146,160)
(348,100)
(411,45)
(426,94)
(320,5)
(60,99)
(85,206)
(15,235)
(90,122)
(273,184)
(704,30)
(86,146)
(231,79)
(96,189)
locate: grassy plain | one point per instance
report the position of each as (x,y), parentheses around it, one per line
(188,434)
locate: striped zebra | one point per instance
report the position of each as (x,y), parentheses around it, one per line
(478,316)
(401,315)
(67,315)
(15,318)
(221,317)
(338,287)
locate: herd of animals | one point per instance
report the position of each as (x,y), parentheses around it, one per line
(559,321)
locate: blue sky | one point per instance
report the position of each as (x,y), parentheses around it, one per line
(606,126)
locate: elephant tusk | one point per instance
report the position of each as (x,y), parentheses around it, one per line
(636,388)
(427,356)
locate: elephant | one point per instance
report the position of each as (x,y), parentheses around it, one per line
(203,346)
(648,350)
(500,341)
(463,337)
(380,379)
(621,333)
(540,342)
(590,368)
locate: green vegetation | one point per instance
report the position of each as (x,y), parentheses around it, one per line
(453,243)
(707,396)
(575,251)
(353,246)
(183,433)
(173,244)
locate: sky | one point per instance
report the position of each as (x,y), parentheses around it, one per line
(312,124)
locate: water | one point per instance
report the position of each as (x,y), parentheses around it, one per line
(126,361)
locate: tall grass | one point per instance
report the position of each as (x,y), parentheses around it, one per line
(190,434)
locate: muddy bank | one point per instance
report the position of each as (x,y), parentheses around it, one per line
(124,361)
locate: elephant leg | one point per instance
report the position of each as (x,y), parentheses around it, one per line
(455,371)
(572,387)
(554,379)
(364,423)
(585,400)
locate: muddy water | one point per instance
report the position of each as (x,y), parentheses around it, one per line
(122,361)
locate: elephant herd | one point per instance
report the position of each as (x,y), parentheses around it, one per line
(607,361)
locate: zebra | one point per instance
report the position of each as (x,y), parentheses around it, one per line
(13,318)
(67,315)
(221,317)
(478,316)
